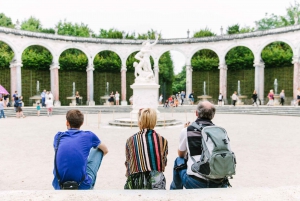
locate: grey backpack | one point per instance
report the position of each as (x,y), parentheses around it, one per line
(217,161)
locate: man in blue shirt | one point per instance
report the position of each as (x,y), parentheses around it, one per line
(43,95)
(79,154)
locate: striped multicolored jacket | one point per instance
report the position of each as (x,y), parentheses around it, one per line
(146,151)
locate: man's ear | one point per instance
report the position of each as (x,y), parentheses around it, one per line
(67,123)
(197,113)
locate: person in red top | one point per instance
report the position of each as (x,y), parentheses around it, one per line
(271,98)
(171,102)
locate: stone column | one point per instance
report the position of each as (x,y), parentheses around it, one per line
(55,82)
(123,85)
(189,84)
(90,84)
(260,80)
(223,81)
(296,77)
(15,77)
(156,74)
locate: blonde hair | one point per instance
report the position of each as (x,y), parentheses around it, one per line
(147,118)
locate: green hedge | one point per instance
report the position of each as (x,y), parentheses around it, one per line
(66,79)
(5,78)
(29,79)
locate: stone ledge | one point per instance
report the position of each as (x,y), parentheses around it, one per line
(257,193)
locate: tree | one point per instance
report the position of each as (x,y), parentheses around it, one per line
(239,58)
(114,33)
(6,55)
(36,58)
(234,29)
(107,61)
(32,24)
(205,60)
(69,29)
(179,81)
(73,60)
(204,33)
(6,21)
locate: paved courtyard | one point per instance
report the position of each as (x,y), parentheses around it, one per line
(267,150)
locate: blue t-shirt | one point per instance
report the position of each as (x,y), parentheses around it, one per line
(72,154)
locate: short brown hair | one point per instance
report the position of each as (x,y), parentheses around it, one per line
(147,118)
(75,118)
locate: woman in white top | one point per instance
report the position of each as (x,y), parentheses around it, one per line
(234,98)
(117,96)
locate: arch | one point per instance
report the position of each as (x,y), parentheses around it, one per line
(205,48)
(268,42)
(10,44)
(38,43)
(171,49)
(76,47)
(238,45)
(97,51)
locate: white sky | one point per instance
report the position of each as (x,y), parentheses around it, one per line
(172,17)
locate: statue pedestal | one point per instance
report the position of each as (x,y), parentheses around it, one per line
(57,103)
(91,103)
(145,95)
(240,100)
(276,99)
(37,99)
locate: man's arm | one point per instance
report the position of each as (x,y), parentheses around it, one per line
(103,148)
(181,154)
(182,141)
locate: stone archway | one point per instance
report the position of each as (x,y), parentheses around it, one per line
(73,64)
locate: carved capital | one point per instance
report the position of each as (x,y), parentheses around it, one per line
(296,59)
(189,68)
(259,64)
(123,68)
(16,64)
(90,67)
(54,65)
(223,67)
(156,69)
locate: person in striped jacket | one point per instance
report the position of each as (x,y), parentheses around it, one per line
(146,154)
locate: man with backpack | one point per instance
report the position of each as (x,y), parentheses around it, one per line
(205,157)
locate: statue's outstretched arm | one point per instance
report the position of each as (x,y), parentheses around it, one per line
(156,40)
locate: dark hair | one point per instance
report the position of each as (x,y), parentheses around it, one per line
(75,118)
(206,111)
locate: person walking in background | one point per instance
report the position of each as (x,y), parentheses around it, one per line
(49,105)
(43,95)
(271,98)
(191,97)
(298,97)
(77,96)
(2,108)
(117,96)
(145,167)
(182,97)
(171,101)
(15,97)
(234,98)
(19,104)
(160,99)
(38,109)
(220,100)
(254,98)
(111,99)
(282,97)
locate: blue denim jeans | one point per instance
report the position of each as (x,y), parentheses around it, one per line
(94,162)
(182,179)
(2,114)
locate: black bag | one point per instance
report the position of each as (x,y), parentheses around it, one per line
(69,185)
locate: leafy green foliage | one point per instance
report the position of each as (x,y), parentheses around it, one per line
(6,55)
(114,33)
(277,54)
(33,24)
(107,61)
(36,58)
(239,58)
(205,60)
(179,81)
(204,33)
(6,21)
(73,60)
(70,29)
(269,22)
(149,35)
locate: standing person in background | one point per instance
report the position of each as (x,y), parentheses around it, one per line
(6,100)
(51,96)
(15,97)
(43,95)
(38,109)
(171,101)
(254,98)
(77,96)
(160,99)
(49,105)
(271,98)
(234,98)
(220,100)
(111,99)
(117,96)
(182,97)
(2,109)
(282,97)
(46,97)
(191,97)
(19,109)
(298,97)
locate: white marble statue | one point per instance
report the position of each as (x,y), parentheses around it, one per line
(143,70)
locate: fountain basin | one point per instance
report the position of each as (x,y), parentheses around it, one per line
(73,100)
(204,97)
(240,100)
(106,97)
(37,99)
